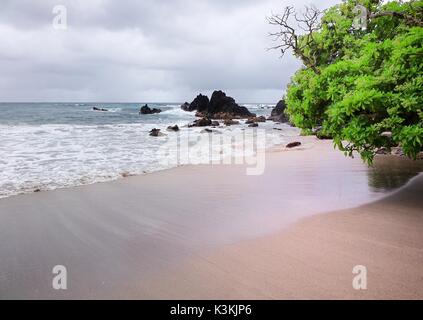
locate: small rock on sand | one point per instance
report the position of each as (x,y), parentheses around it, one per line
(293,144)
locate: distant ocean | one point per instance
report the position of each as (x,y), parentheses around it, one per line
(45,146)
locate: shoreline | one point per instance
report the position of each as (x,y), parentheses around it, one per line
(109,234)
(161,162)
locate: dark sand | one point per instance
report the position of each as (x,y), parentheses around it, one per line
(127,238)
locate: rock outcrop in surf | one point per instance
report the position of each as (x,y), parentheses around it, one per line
(220,106)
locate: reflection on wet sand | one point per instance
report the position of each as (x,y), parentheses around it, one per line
(392,172)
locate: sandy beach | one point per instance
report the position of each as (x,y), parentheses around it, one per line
(314,258)
(215,232)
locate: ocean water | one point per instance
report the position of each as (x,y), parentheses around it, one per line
(44,146)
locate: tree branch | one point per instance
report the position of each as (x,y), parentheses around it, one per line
(287,37)
(408,18)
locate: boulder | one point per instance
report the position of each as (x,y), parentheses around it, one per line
(185,106)
(206,131)
(215,123)
(397,151)
(147,110)
(220,106)
(99,109)
(221,103)
(255,119)
(278,113)
(203,122)
(200,104)
(173,128)
(382,150)
(253,125)
(220,115)
(293,144)
(156,133)
(230,122)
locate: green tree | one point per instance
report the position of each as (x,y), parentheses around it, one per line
(364,86)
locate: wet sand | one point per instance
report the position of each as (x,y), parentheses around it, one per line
(314,259)
(118,239)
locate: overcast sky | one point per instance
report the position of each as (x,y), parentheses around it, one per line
(145,50)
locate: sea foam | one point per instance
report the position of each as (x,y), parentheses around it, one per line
(50,156)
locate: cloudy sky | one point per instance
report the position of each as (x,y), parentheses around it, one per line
(145,50)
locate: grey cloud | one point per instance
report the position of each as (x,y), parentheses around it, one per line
(141,50)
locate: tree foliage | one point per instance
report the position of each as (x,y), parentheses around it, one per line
(364,88)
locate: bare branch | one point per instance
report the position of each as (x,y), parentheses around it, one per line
(287,37)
